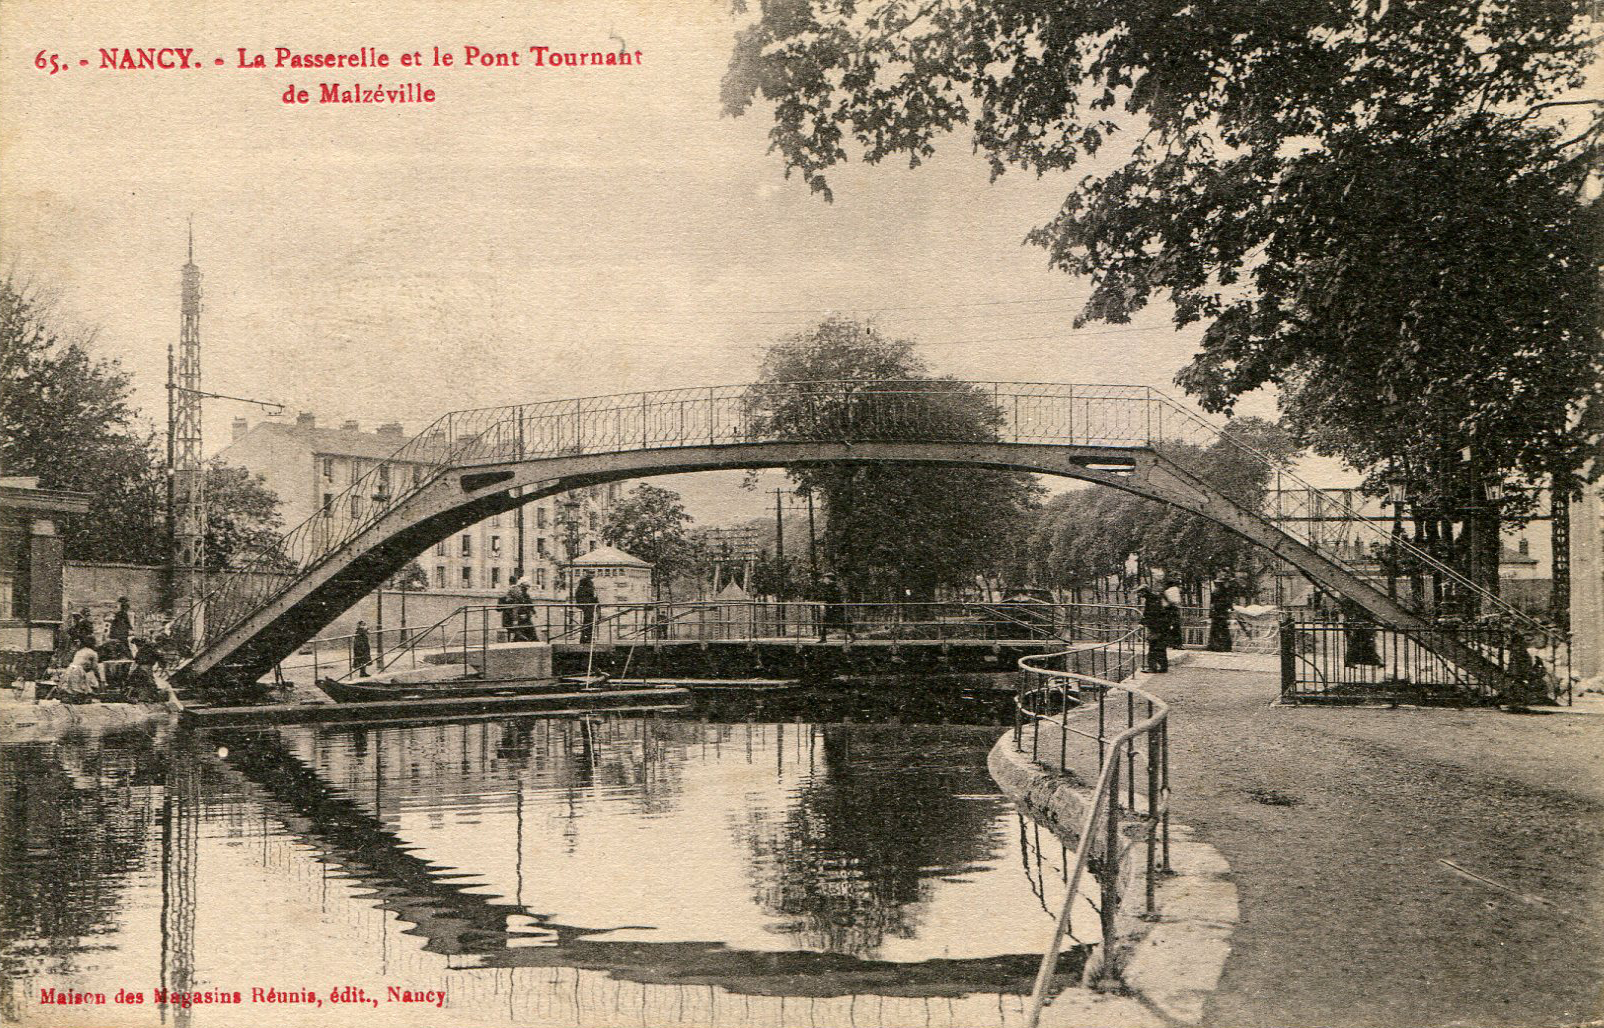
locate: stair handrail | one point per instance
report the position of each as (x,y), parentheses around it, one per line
(1502,608)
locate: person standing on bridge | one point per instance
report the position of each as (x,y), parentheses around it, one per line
(1156,620)
(361,650)
(585,596)
(525,612)
(508,602)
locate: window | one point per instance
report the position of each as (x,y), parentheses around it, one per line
(495,545)
(356,471)
(613,491)
(495,521)
(383,487)
(328,504)
(467,578)
(1525,547)
(328,467)
(356,508)
(540,578)
(440,548)
(593,521)
(495,577)
(540,545)
(440,574)
(540,517)
(467,546)
(8,592)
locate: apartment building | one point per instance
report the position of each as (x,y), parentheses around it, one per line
(308,465)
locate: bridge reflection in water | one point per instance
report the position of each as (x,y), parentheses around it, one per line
(582,871)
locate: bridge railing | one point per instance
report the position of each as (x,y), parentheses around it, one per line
(462,636)
(1080,712)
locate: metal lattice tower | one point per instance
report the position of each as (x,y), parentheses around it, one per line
(187,467)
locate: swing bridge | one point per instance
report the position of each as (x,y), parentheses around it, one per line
(471,464)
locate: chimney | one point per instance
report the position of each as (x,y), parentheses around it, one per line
(241,426)
(349,426)
(306,420)
(391,430)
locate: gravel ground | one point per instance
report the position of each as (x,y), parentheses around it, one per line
(1337,824)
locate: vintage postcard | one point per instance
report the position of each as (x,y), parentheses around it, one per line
(801,513)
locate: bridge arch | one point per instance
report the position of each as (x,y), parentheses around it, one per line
(472,490)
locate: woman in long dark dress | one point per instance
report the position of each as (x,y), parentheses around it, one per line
(1220,617)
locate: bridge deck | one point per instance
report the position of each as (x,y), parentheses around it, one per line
(453,708)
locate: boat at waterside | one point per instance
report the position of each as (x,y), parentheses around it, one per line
(387,691)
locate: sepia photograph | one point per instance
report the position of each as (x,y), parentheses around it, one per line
(802,514)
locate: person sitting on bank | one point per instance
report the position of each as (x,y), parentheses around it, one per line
(141,685)
(80,680)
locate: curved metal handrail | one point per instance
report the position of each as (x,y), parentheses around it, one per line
(1113,754)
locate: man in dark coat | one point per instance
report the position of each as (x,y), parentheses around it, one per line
(508,602)
(1156,620)
(585,596)
(361,650)
(525,612)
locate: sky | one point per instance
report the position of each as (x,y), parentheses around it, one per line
(535,233)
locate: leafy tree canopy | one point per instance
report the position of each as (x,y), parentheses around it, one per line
(650,523)
(68,418)
(889,531)
(242,521)
(1086,535)
(1379,207)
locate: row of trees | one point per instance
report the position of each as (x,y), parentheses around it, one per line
(1387,211)
(1083,537)
(67,417)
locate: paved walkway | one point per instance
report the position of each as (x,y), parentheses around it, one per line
(1405,867)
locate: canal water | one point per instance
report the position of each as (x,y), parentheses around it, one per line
(731,864)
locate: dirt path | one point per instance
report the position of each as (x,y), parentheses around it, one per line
(1397,868)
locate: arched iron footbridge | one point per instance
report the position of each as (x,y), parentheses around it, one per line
(471,464)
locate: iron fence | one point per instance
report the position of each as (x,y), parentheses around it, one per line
(464,635)
(1330,660)
(1087,716)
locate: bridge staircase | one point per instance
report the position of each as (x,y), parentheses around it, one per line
(470,464)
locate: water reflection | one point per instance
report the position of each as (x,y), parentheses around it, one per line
(702,872)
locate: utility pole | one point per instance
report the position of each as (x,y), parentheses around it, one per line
(186,468)
(779,545)
(186,490)
(813,543)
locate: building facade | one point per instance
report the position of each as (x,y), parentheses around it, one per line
(308,466)
(31,571)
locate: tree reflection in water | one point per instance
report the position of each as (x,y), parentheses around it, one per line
(889,809)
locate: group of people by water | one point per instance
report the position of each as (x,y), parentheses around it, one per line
(116,669)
